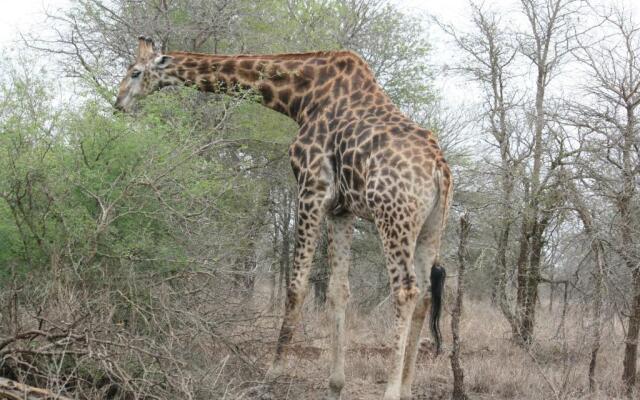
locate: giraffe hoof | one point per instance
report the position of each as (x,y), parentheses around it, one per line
(391,395)
(405,394)
(332,396)
(273,373)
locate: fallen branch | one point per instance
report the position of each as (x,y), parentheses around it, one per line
(13,390)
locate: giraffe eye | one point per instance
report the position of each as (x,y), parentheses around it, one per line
(136,74)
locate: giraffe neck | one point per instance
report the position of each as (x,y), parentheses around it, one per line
(297,85)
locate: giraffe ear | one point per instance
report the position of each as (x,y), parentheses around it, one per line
(145,48)
(162,61)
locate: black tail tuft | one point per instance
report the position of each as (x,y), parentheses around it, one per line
(438,275)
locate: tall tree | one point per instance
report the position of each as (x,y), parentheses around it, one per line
(490,55)
(546,43)
(608,115)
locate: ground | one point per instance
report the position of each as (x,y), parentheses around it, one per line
(495,367)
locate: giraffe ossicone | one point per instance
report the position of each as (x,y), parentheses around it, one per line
(356,154)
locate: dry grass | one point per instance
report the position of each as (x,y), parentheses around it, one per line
(495,367)
(197,340)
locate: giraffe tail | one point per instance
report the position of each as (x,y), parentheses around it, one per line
(438,275)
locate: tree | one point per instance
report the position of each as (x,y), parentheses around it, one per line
(523,137)
(608,118)
(546,44)
(458,373)
(490,55)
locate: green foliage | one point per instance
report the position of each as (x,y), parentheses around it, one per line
(9,239)
(94,190)
(257,123)
(26,140)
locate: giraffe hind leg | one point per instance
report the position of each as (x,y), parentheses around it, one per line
(427,248)
(340,229)
(399,238)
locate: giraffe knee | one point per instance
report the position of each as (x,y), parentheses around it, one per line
(426,299)
(339,294)
(407,295)
(422,305)
(295,294)
(405,301)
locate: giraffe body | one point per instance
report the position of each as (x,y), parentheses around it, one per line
(355,154)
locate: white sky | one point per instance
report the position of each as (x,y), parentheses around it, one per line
(29,15)
(22,16)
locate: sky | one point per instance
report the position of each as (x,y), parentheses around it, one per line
(26,15)
(29,15)
(22,16)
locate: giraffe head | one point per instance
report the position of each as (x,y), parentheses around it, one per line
(144,76)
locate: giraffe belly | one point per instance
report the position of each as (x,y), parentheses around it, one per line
(352,201)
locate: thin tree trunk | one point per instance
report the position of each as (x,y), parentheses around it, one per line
(552,289)
(250,264)
(320,279)
(521,283)
(533,280)
(499,285)
(274,275)
(625,204)
(615,85)
(597,311)
(285,245)
(546,23)
(597,247)
(563,316)
(631,342)
(458,372)
(500,288)
(286,248)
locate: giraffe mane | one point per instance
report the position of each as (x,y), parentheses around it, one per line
(277,56)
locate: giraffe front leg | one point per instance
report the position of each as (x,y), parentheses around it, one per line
(310,213)
(340,230)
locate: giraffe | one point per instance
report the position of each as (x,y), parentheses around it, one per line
(355,155)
